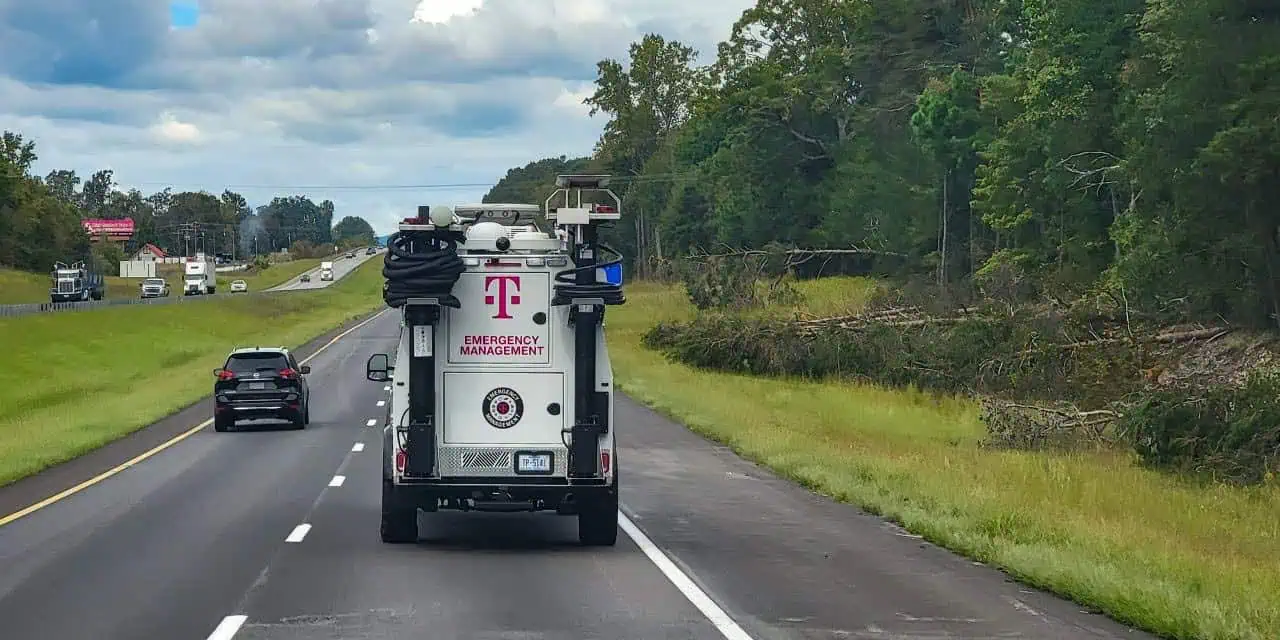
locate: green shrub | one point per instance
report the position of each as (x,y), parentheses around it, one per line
(1228,433)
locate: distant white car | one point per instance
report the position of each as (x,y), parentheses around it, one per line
(239,286)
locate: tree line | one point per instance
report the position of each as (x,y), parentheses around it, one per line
(1130,148)
(40,217)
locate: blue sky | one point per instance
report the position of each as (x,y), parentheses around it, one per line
(184,14)
(358,101)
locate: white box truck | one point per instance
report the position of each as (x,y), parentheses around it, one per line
(326,270)
(502,391)
(199,277)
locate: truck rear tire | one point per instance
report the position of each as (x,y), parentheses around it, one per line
(598,521)
(399,522)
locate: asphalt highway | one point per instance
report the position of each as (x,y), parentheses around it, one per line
(341,267)
(266,534)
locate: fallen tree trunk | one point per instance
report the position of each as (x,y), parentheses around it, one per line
(1172,337)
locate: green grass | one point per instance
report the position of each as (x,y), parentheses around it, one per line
(275,275)
(22,287)
(1182,560)
(72,382)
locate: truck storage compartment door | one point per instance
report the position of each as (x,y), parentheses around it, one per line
(509,328)
(503,408)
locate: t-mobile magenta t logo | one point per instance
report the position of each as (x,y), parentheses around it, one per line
(505,296)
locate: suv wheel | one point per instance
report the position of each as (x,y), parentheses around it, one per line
(222,425)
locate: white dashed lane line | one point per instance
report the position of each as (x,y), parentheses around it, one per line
(337,481)
(299,533)
(357,447)
(226,630)
(371,422)
(387,388)
(382,403)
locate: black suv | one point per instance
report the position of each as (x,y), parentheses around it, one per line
(261,382)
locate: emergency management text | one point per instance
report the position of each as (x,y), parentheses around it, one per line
(501,346)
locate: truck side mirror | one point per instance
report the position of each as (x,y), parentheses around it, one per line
(378,368)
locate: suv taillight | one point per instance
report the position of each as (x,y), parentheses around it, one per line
(226,375)
(288,374)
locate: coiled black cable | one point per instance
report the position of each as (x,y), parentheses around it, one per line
(422,264)
(567,289)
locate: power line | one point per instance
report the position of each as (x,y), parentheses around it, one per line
(379,187)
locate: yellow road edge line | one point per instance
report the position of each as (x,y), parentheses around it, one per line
(66,493)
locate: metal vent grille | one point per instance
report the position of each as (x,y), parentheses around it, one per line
(492,461)
(485,458)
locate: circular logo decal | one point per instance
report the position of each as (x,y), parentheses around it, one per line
(503,408)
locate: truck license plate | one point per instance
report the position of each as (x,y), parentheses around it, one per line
(533,463)
(257,385)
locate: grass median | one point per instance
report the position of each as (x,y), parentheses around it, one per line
(73,382)
(1180,559)
(23,287)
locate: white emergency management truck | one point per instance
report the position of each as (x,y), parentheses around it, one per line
(326,270)
(502,389)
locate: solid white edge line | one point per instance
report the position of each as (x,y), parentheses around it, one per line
(226,630)
(299,533)
(371,422)
(357,447)
(699,598)
(337,481)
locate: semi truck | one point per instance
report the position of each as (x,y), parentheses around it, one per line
(76,283)
(501,394)
(326,270)
(200,277)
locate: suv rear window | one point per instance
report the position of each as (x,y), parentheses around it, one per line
(251,362)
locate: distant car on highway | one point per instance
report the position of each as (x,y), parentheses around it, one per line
(371,251)
(154,288)
(351,254)
(306,277)
(261,382)
(239,286)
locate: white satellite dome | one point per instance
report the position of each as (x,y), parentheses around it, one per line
(483,236)
(442,215)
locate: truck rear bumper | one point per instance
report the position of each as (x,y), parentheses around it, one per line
(501,494)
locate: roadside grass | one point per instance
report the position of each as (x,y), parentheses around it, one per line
(23,287)
(73,382)
(1180,559)
(275,275)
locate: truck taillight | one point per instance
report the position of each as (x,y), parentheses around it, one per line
(604,462)
(401,459)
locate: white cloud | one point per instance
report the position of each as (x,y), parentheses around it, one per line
(442,11)
(262,96)
(171,130)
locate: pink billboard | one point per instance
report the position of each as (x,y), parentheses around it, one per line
(121,229)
